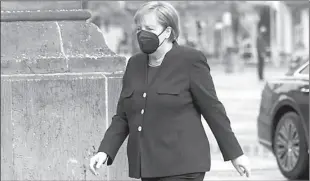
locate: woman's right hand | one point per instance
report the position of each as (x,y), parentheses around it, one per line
(98,159)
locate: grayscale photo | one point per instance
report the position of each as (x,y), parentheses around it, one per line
(154,90)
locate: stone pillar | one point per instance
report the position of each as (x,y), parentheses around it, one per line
(59,88)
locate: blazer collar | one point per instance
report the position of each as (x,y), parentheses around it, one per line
(164,64)
(175,45)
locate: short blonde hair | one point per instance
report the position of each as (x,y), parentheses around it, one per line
(167,16)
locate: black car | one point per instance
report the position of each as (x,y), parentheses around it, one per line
(283,122)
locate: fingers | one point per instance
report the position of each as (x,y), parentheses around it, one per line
(240,170)
(246,170)
(97,160)
(101,159)
(242,165)
(92,164)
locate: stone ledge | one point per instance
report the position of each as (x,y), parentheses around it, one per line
(105,64)
(22,5)
(60,76)
(55,47)
(45,15)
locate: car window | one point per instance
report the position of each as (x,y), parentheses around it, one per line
(305,71)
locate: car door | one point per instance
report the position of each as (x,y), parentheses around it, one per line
(302,93)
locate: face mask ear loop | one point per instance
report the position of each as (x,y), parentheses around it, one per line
(162,32)
(164,39)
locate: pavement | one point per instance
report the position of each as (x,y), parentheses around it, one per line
(240,93)
(262,174)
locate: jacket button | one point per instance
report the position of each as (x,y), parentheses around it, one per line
(139,128)
(142,111)
(144,94)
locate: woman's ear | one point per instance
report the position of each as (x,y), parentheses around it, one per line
(168,31)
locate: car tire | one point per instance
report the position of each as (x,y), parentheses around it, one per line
(293,147)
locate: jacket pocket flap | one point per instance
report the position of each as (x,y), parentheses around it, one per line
(127,92)
(168,90)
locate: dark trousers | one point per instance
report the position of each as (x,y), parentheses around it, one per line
(260,66)
(185,177)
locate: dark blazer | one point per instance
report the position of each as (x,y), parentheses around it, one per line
(163,119)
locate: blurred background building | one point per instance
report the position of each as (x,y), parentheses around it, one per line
(213,26)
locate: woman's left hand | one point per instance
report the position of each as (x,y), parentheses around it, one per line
(242,165)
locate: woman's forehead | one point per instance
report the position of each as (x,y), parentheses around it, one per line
(149,19)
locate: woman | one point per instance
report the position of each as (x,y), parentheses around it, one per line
(166,89)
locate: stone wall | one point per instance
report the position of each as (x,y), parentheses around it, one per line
(59,88)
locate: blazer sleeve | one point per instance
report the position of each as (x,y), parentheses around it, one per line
(205,98)
(118,129)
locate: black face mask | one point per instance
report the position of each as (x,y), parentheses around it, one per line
(148,41)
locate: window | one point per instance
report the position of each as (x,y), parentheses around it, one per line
(305,71)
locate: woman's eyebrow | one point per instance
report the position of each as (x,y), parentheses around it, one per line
(149,26)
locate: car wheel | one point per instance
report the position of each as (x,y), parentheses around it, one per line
(290,147)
